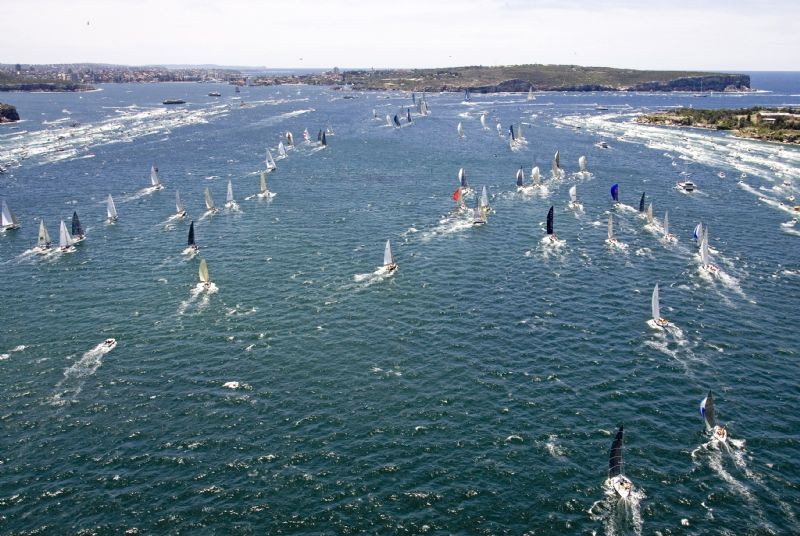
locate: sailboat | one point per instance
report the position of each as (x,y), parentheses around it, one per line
(7,218)
(65,242)
(43,242)
(209,202)
(582,164)
(615,192)
(657,321)
(512,137)
(111,209)
(520,177)
(499,128)
(705,259)
(230,203)
(520,135)
(306,136)
(466,95)
(77,231)
(289,139)
(641,206)
(536,177)
(611,240)
(697,235)
(556,166)
(650,219)
(573,198)
(669,237)
(618,481)
(551,235)
(203,273)
(718,433)
(323,141)
(191,244)
(281,150)
(408,115)
(462,180)
(319,136)
(460,130)
(483,121)
(531,97)
(389,120)
(264,193)
(155,182)
(389,266)
(478,217)
(484,202)
(269,162)
(180,210)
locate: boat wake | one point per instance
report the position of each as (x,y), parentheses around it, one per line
(366,280)
(141,193)
(199,297)
(71,385)
(619,515)
(452,223)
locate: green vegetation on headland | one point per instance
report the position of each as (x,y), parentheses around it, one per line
(770,124)
(13,82)
(8,113)
(520,78)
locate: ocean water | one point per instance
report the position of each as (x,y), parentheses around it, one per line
(477,390)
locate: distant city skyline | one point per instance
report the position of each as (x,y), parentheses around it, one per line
(679,35)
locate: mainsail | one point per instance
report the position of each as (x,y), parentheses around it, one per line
(582,163)
(396,121)
(324,140)
(704,257)
(708,413)
(698,231)
(484,198)
(666,223)
(154,180)
(289,139)
(615,192)
(530,94)
(550,221)
(111,209)
(573,194)
(178,203)
(511,132)
(520,176)
(270,162)
(43,240)
(389,120)
(203,272)
(281,149)
(460,130)
(556,164)
(77,230)
(462,178)
(64,238)
(209,201)
(650,213)
(7,217)
(408,114)
(615,467)
(655,309)
(229,197)
(535,175)
(641,203)
(262,178)
(191,241)
(483,121)
(387,254)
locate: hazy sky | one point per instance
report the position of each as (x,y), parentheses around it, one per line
(678,34)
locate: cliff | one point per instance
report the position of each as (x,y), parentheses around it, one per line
(8,113)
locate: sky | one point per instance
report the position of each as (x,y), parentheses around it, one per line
(730,35)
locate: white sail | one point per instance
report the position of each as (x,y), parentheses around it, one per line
(461,176)
(520,176)
(290,139)
(43,240)
(483,121)
(229,197)
(203,272)
(270,161)
(209,201)
(460,130)
(387,254)
(499,129)
(178,203)
(389,120)
(520,135)
(535,175)
(281,149)
(650,213)
(111,209)
(556,164)
(666,223)
(154,180)
(704,256)
(582,163)
(484,198)
(64,237)
(7,218)
(656,310)
(573,194)
(263,180)
(610,226)
(530,94)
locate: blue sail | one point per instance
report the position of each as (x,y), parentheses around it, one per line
(615,192)
(641,203)
(396,121)
(511,130)
(697,230)
(408,114)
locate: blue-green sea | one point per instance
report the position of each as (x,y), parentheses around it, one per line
(474,391)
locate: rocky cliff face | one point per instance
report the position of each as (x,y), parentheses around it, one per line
(8,113)
(696,83)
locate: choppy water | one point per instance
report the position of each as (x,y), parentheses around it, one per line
(474,391)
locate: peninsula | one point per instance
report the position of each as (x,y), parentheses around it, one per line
(769,124)
(519,78)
